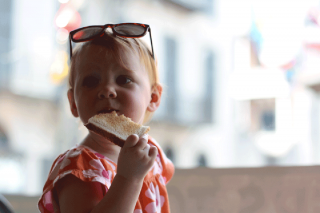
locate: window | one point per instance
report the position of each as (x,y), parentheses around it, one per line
(170,154)
(202,160)
(198,107)
(5,26)
(209,89)
(267,120)
(177,104)
(4,141)
(171,79)
(263,115)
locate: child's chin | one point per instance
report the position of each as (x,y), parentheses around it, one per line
(96,135)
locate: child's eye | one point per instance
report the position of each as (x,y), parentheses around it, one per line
(90,81)
(123,80)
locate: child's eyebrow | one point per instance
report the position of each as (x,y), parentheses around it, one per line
(88,68)
(91,65)
(127,69)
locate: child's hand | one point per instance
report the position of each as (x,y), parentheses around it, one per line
(136,158)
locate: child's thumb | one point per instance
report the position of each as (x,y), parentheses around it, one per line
(131,141)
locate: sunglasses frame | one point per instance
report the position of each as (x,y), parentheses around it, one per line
(112,26)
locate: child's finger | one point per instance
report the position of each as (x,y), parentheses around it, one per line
(153,151)
(146,149)
(145,136)
(142,143)
(131,141)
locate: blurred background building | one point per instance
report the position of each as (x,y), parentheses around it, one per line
(241,82)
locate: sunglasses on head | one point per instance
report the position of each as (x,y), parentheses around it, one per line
(126,30)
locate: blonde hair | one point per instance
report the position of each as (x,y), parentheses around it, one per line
(116,44)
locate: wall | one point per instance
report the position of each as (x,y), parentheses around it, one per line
(245,190)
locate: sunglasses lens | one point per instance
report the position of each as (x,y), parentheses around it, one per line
(130,30)
(87,33)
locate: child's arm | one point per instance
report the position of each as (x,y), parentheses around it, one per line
(135,160)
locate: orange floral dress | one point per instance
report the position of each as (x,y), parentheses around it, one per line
(88,165)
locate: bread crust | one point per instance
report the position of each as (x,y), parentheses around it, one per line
(109,136)
(115,128)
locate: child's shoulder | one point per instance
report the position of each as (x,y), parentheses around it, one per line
(80,165)
(83,163)
(83,154)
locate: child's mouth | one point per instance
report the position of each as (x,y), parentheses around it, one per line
(107,111)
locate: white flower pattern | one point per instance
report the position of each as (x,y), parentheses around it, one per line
(157,166)
(100,174)
(61,163)
(162,180)
(64,161)
(158,200)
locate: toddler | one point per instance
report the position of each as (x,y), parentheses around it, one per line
(111,71)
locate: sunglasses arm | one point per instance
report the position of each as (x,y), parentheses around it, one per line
(70,47)
(151,42)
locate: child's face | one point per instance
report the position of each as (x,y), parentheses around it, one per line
(102,84)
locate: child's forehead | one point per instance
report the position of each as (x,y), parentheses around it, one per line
(95,57)
(114,53)
(89,49)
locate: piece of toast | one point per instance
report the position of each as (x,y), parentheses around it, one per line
(115,128)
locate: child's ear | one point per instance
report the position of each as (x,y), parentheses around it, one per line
(72,103)
(155,98)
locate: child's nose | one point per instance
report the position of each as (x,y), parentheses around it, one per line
(107,92)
